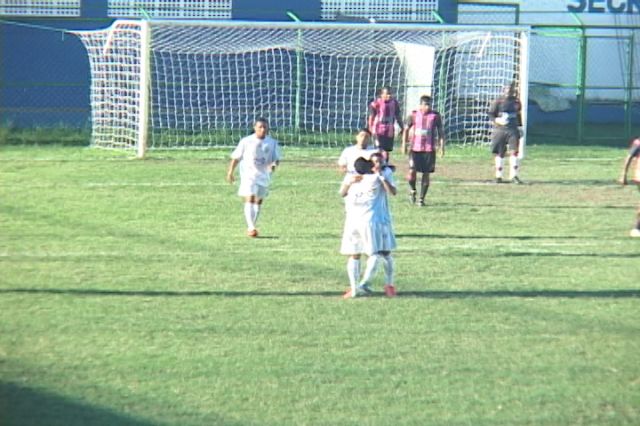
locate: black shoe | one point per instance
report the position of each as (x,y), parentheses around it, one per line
(498,180)
(421,203)
(516,180)
(412,197)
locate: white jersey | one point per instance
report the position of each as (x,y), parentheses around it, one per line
(350,154)
(366,198)
(256,157)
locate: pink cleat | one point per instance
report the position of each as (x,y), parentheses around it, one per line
(390,290)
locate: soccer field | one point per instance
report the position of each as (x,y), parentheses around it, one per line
(130,294)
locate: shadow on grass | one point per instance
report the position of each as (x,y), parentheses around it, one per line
(489,237)
(428,294)
(24,406)
(505,184)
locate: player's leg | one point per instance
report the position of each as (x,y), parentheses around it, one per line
(353,273)
(498,149)
(635,232)
(247,190)
(389,267)
(428,167)
(514,161)
(424,188)
(370,269)
(385,145)
(352,246)
(250,216)
(411,178)
(256,202)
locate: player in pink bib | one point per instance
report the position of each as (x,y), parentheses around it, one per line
(384,112)
(422,137)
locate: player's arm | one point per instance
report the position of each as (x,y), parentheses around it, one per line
(387,185)
(398,115)
(347,182)
(342,163)
(625,169)
(372,118)
(440,141)
(232,167)
(405,135)
(494,112)
(277,155)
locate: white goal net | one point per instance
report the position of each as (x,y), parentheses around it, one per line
(200,84)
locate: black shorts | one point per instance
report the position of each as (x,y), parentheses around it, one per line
(422,162)
(384,143)
(503,137)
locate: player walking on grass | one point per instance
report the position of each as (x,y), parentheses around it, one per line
(368,227)
(384,112)
(423,135)
(258,155)
(504,113)
(351,153)
(633,155)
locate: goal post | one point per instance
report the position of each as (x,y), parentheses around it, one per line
(166,84)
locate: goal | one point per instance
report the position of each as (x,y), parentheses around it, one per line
(162,84)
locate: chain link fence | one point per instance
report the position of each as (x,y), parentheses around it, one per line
(584,84)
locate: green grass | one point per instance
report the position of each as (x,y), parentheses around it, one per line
(129,294)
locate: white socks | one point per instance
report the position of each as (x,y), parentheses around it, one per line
(514,166)
(251,212)
(372,266)
(353,272)
(370,269)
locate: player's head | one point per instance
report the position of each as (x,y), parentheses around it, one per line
(377,161)
(386,93)
(635,141)
(261,127)
(509,90)
(363,137)
(425,102)
(363,166)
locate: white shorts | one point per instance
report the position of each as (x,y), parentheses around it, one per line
(249,188)
(367,237)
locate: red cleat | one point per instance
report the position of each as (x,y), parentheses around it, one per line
(252,233)
(390,290)
(347,294)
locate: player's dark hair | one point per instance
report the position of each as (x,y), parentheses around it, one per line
(385,88)
(363,166)
(383,161)
(425,99)
(366,130)
(262,120)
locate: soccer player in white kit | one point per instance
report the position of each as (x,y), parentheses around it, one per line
(258,155)
(350,154)
(368,225)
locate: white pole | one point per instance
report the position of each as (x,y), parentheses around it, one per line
(145,79)
(524,88)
